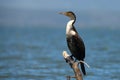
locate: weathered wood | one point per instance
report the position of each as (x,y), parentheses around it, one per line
(74,65)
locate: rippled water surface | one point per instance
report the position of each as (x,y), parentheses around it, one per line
(36,53)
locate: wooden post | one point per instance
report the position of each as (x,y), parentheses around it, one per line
(74,65)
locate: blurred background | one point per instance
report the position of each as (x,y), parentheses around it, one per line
(25,13)
(32,38)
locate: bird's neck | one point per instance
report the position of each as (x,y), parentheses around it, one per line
(70,27)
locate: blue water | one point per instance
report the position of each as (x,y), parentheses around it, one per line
(35,53)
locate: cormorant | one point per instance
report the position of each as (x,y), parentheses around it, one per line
(74,41)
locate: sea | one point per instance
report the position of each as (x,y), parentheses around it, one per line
(35,53)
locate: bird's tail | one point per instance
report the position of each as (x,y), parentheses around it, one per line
(83,68)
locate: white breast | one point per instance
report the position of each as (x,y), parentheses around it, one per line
(69,26)
(72,32)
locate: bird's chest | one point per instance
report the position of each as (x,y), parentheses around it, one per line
(70,34)
(71,43)
(69,28)
(70,37)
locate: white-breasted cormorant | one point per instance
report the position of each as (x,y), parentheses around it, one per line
(74,41)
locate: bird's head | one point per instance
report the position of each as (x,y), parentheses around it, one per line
(70,14)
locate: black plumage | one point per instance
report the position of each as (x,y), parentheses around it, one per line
(74,41)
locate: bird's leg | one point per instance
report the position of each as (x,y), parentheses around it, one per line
(72,57)
(75,60)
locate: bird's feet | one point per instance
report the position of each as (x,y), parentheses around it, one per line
(72,57)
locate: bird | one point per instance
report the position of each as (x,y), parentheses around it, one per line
(74,41)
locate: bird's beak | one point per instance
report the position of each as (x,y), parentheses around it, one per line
(63,13)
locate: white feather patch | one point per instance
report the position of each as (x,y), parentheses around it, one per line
(69,26)
(72,32)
